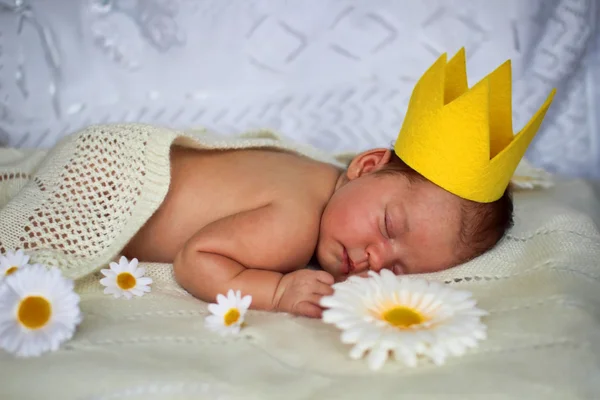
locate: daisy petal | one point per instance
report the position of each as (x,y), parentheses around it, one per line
(222,299)
(133,264)
(216,309)
(144,281)
(377,357)
(246,301)
(108,282)
(107,272)
(141,271)
(358,350)
(145,289)
(137,291)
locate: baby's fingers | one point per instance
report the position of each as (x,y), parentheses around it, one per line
(309,309)
(325,277)
(323,289)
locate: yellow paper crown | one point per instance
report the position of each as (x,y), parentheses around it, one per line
(462,139)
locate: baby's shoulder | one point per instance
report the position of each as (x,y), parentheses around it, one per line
(299,209)
(297,221)
(303,206)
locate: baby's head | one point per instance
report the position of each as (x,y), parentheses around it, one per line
(383,214)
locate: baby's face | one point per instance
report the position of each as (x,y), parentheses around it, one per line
(385,221)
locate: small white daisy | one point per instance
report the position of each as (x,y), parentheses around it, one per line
(39,310)
(125,279)
(408,318)
(228,313)
(527,176)
(11,262)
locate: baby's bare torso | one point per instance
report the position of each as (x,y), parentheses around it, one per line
(207,186)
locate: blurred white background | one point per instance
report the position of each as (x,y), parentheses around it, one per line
(334,73)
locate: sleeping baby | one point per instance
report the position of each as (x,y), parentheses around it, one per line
(438,198)
(226,229)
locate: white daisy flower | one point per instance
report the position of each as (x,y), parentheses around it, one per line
(125,279)
(527,176)
(408,318)
(228,313)
(39,310)
(11,262)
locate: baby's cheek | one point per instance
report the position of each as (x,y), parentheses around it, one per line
(435,248)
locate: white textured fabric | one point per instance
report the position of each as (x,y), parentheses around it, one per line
(333,73)
(541,286)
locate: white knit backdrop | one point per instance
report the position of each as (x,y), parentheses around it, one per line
(334,73)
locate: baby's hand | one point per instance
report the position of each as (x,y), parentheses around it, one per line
(299,292)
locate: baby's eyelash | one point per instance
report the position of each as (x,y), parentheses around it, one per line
(387,225)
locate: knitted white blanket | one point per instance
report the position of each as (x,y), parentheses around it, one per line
(541,286)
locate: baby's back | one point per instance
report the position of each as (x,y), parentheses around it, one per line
(207,186)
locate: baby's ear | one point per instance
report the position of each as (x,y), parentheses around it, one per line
(368,162)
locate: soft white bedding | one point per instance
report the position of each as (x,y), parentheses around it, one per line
(541,287)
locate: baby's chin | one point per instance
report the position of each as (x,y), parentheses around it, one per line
(331,271)
(337,275)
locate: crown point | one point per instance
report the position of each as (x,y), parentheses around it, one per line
(461,53)
(428,93)
(455,83)
(501,129)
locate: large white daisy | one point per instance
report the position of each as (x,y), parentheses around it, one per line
(39,310)
(125,279)
(228,313)
(408,318)
(11,262)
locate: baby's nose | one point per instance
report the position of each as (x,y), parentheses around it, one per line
(381,256)
(376,259)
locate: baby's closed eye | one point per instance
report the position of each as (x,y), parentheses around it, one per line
(389,229)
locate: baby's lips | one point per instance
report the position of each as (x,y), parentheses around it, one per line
(345,266)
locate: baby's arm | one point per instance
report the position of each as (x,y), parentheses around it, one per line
(251,252)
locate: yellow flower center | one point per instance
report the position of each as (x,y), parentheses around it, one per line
(231,316)
(34,312)
(125,280)
(11,270)
(402,317)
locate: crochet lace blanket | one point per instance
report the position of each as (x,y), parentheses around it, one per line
(96,189)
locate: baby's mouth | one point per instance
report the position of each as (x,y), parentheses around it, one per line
(347,266)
